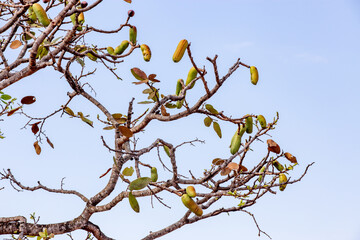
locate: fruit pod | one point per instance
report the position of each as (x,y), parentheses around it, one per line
(122,47)
(191,76)
(81,18)
(262,170)
(110,50)
(282,179)
(91,56)
(41,14)
(32,14)
(235,143)
(178,87)
(146,52)
(249,124)
(190,190)
(262,121)
(154,174)
(73,20)
(191,205)
(180,50)
(133,34)
(134,203)
(254,75)
(278,165)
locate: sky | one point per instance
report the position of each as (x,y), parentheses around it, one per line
(307,54)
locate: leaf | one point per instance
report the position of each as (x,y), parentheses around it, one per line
(233,166)
(11,112)
(128,171)
(154,80)
(217,129)
(84,119)
(218,161)
(134,203)
(108,128)
(138,74)
(208,121)
(125,131)
(35,128)
(225,171)
(139,183)
(141,82)
(49,142)
(147,91)
(211,109)
(167,150)
(5,97)
(163,111)
(290,157)
(151,76)
(273,146)
(128,1)
(117,116)
(69,111)
(80,61)
(170,105)
(243,168)
(145,102)
(37,148)
(28,100)
(15,44)
(107,171)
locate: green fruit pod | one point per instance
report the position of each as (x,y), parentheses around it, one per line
(191,205)
(190,190)
(249,124)
(133,34)
(110,50)
(282,179)
(191,76)
(178,87)
(254,75)
(180,50)
(146,52)
(134,203)
(122,47)
(41,14)
(235,143)
(262,170)
(262,121)
(154,174)
(278,165)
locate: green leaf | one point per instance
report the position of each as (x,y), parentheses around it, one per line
(170,105)
(139,183)
(167,150)
(217,129)
(84,119)
(80,61)
(241,203)
(211,109)
(134,203)
(5,97)
(145,102)
(208,121)
(128,171)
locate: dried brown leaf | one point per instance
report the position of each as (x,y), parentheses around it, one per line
(151,76)
(37,148)
(49,142)
(28,100)
(273,146)
(164,112)
(11,112)
(138,74)
(218,161)
(35,128)
(290,157)
(233,166)
(225,171)
(15,44)
(125,131)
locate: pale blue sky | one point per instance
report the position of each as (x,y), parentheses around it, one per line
(307,53)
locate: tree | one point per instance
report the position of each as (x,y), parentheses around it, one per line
(64,44)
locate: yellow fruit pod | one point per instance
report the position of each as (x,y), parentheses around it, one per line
(110,50)
(146,52)
(262,121)
(249,124)
(41,14)
(133,34)
(254,75)
(180,50)
(191,76)
(282,179)
(122,47)
(81,18)
(154,174)
(191,205)
(190,190)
